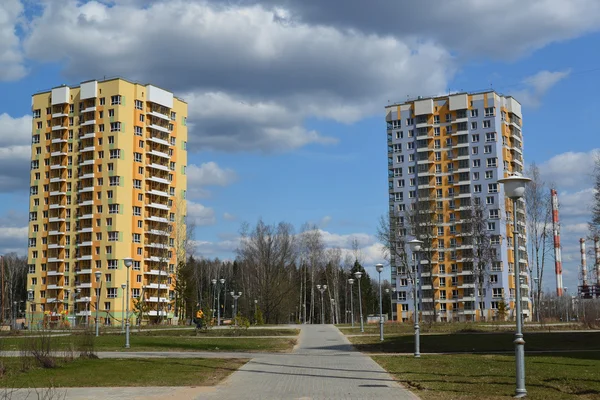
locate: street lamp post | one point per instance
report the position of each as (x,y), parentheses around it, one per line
(351,282)
(31,293)
(128,262)
(322,290)
(566,292)
(379,268)
(535,298)
(358,274)
(514,188)
(415,247)
(234,305)
(98,275)
(391,302)
(255,312)
(123,287)
(222,282)
(214,299)
(332,303)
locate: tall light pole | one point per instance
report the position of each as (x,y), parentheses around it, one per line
(379,268)
(391,302)
(415,247)
(514,189)
(128,262)
(234,305)
(98,275)
(322,289)
(31,298)
(255,312)
(535,299)
(358,274)
(222,282)
(214,299)
(332,303)
(123,287)
(351,282)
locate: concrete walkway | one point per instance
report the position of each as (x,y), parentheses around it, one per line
(322,366)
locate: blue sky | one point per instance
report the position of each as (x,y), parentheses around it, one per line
(286,103)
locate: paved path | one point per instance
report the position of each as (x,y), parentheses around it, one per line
(322,366)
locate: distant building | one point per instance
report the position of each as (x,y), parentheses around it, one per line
(445,155)
(108,182)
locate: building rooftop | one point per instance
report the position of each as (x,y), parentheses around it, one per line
(443,96)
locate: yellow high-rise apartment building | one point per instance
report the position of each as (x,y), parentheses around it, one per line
(108,182)
(448,153)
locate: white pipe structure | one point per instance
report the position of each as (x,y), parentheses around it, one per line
(557,252)
(584,281)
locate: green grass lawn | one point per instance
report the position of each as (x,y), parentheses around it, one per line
(482,342)
(221,332)
(121,372)
(454,327)
(471,377)
(164,343)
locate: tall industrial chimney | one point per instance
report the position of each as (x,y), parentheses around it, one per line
(557,255)
(584,281)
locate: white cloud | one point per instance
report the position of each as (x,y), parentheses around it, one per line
(570,169)
(229,217)
(536,86)
(251,79)
(200,215)
(11,56)
(13,232)
(15,152)
(207,174)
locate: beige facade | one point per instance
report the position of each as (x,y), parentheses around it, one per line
(108,182)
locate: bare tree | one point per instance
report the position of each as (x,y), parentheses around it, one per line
(269,253)
(538,213)
(312,249)
(15,281)
(334,277)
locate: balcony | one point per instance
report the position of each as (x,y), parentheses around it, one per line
(58,140)
(60,114)
(87,271)
(157,192)
(158,114)
(86,189)
(154,313)
(89,135)
(86,216)
(154,299)
(56,246)
(83,299)
(158,154)
(58,179)
(85,244)
(59,127)
(84,257)
(84,313)
(158,232)
(54,287)
(155,178)
(88,109)
(55,273)
(158,166)
(85,230)
(156,286)
(56,219)
(58,166)
(58,153)
(84,285)
(158,206)
(159,128)
(54,233)
(87,162)
(154,139)
(57,206)
(156,272)
(157,219)
(89,122)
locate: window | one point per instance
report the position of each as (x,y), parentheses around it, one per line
(487,123)
(489,200)
(489,111)
(113,236)
(138,130)
(113,208)
(135,293)
(490,137)
(111,140)
(497,292)
(491,226)
(475,150)
(115,126)
(494,214)
(111,293)
(114,180)
(141,144)
(474,138)
(115,100)
(137,184)
(400,183)
(174,116)
(489,174)
(492,162)
(111,112)
(137,211)
(37,113)
(410,145)
(109,194)
(139,105)
(493,188)
(410,121)
(477,188)
(476,163)
(115,153)
(474,125)
(487,149)
(474,113)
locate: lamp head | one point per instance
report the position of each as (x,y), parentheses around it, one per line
(123,286)
(324,286)
(387,290)
(319,287)
(78,290)
(379,267)
(98,275)
(415,245)
(222,281)
(514,186)
(239,293)
(128,262)
(358,274)
(351,281)
(255,301)
(214,281)
(232,293)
